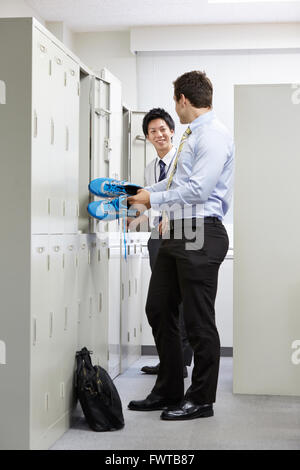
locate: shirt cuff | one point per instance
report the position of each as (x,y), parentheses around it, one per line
(156,200)
(149,188)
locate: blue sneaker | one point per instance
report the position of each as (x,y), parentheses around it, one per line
(111,210)
(109,187)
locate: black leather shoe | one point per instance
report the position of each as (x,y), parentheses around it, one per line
(151,403)
(150,369)
(153,370)
(187,410)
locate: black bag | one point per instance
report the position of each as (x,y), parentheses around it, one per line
(97,395)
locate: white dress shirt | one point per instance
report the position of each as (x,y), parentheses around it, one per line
(152,172)
(203,182)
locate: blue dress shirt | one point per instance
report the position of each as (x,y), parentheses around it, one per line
(203,182)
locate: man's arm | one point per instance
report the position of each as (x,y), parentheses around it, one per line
(210,158)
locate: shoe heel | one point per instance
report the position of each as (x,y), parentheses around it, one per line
(207,414)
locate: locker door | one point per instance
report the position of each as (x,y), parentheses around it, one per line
(114,309)
(41,102)
(39,338)
(56,324)
(57,135)
(141,151)
(137,297)
(104,317)
(100,130)
(85,313)
(71,84)
(70,268)
(125,327)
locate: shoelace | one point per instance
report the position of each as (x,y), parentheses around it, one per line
(113,187)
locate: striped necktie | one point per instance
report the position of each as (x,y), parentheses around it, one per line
(165,218)
(162,174)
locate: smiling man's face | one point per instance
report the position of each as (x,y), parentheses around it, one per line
(160,135)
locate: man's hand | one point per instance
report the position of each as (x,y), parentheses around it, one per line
(142,197)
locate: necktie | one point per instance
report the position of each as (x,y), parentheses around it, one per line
(165,219)
(162,173)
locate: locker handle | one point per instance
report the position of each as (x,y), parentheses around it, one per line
(35,129)
(91,307)
(40,249)
(52,131)
(70,247)
(66,319)
(34,331)
(67,138)
(56,248)
(122,291)
(51,325)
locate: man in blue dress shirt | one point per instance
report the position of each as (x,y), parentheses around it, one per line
(195,198)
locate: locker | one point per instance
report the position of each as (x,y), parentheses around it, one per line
(84,285)
(63,278)
(71,148)
(56,322)
(101,125)
(101,333)
(39,337)
(41,116)
(70,268)
(57,138)
(114,331)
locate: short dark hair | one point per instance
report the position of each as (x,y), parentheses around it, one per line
(196,87)
(157,113)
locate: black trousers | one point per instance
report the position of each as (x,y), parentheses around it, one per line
(153,248)
(190,276)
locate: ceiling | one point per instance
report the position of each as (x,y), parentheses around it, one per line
(105,15)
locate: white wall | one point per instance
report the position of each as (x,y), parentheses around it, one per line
(156,72)
(110,50)
(18,8)
(62,32)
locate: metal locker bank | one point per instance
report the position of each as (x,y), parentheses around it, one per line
(60,271)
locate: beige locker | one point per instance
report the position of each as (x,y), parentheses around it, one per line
(57,138)
(71,149)
(56,322)
(84,282)
(41,117)
(39,416)
(70,269)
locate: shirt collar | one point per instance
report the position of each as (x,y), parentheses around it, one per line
(206,117)
(167,158)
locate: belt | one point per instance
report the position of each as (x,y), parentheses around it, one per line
(207,220)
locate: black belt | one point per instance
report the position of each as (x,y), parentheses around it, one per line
(207,220)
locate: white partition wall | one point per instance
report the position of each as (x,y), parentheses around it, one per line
(266,240)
